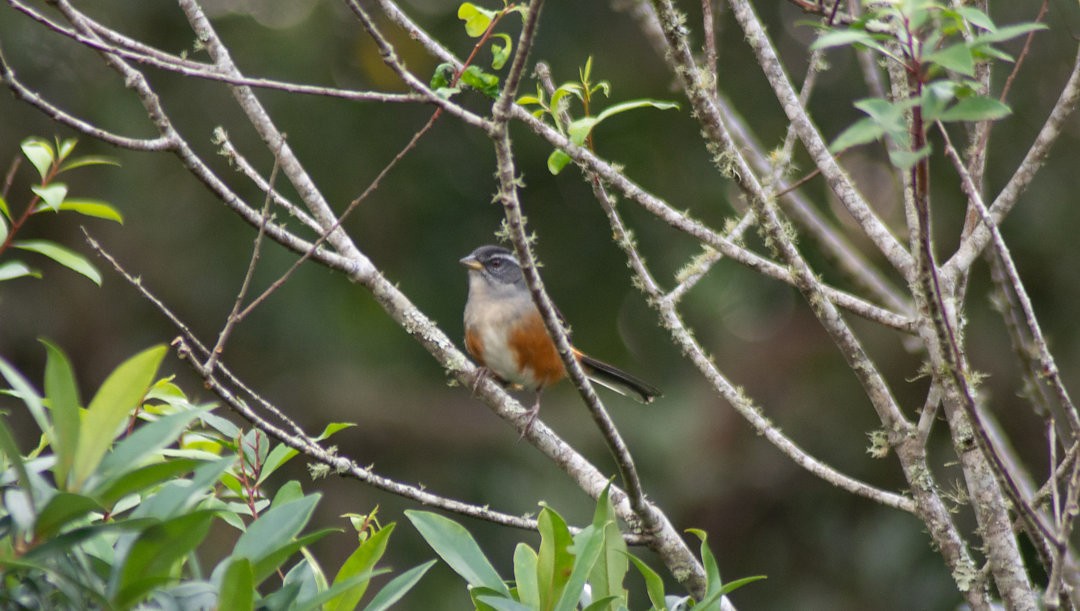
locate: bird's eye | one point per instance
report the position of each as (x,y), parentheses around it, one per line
(495,264)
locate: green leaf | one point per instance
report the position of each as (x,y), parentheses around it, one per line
(554,561)
(94,208)
(526,100)
(632,104)
(275,528)
(273,560)
(88,160)
(708,562)
(499,603)
(25,392)
(362,560)
(976,108)
(957,58)
(586,549)
(118,396)
(1006,33)
(477,20)
(935,98)
(237,589)
(11,450)
(398,587)
(63,544)
(579,129)
(500,53)
(611,566)
(484,82)
(860,132)
(64,147)
(654,584)
(62,255)
(142,478)
(53,195)
(442,76)
(976,17)
(10,270)
(556,161)
(528,592)
(282,453)
(457,547)
(3,231)
(607,602)
(4,208)
(738,583)
(150,559)
(175,497)
(62,392)
(40,153)
(904,159)
(842,38)
(60,510)
(142,445)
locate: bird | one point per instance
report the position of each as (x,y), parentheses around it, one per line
(505,333)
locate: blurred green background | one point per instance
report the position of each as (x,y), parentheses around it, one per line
(323,351)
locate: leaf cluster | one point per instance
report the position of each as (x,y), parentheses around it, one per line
(49,195)
(939,46)
(479,23)
(111,507)
(579,130)
(568,572)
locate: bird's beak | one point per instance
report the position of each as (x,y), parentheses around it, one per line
(470,262)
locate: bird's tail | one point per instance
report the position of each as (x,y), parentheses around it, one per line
(616,379)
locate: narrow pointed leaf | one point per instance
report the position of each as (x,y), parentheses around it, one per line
(525,576)
(141,446)
(62,255)
(586,549)
(362,560)
(632,104)
(16,269)
(94,208)
(151,557)
(79,162)
(554,560)
(118,396)
(398,587)
(654,584)
(28,395)
(275,528)
(62,509)
(503,604)
(456,546)
(238,586)
(62,392)
(738,583)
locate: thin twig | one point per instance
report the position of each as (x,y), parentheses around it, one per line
(235,315)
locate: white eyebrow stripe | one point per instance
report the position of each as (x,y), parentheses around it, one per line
(504,257)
